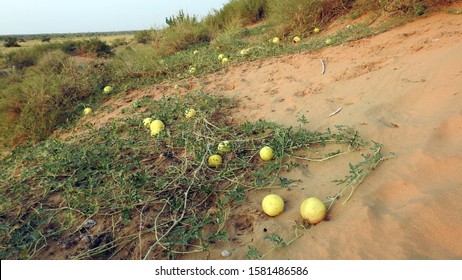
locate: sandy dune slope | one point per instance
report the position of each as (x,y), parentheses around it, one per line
(402,88)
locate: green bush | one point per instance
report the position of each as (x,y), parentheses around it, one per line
(180,18)
(182,35)
(23,58)
(47,96)
(143,36)
(419,9)
(119,42)
(95,47)
(301,16)
(231,40)
(91,47)
(28,57)
(54,61)
(131,62)
(11,42)
(237,13)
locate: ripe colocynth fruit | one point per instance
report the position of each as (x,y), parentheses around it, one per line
(272,205)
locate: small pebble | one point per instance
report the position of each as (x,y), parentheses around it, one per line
(89,223)
(225,253)
(86,239)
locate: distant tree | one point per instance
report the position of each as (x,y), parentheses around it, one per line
(11,42)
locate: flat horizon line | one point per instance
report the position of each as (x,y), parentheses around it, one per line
(72,33)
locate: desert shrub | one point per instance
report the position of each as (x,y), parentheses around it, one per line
(396,6)
(236,13)
(89,47)
(131,61)
(360,7)
(251,11)
(53,60)
(182,35)
(301,16)
(23,58)
(119,42)
(2,61)
(416,7)
(419,9)
(11,42)
(3,74)
(94,47)
(28,57)
(143,36)
(47,96)
(232,39)
(220,22)
(180,18)
(69,46)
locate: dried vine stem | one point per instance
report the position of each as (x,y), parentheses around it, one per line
(178,220)
(323,66)
(358,172)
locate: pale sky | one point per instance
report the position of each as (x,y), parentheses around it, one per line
(74,16)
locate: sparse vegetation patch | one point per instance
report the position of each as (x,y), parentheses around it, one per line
(122,176)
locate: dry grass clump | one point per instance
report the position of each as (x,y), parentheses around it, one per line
(302,16)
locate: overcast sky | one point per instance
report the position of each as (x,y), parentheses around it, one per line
(73,16)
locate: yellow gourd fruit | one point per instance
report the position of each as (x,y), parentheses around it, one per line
(224,147)
(156,126)
(87,111)
(215,160)
(190,113)
(266,153)
(313,210)
(107,89)
(272,205)
(147,122)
